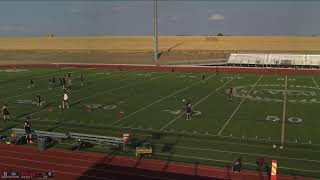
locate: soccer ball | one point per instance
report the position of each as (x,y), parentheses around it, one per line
(183,100)
(59,106)
(274,146)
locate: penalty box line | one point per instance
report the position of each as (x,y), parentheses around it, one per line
(199,102)
(234,112)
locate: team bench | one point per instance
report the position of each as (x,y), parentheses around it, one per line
(40,134)
(95,139)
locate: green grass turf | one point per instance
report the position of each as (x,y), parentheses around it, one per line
(221,130)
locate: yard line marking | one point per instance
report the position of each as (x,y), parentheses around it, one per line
(86,87)
(284,111)
(78,166)
(243,153)
(166,97)
(234,112)
(315,83)
(218,160)
(186,138)
(46,90)
(166,125)
(104,92)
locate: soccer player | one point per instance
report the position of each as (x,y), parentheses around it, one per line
(31,84)
(69,82)
(203,76)
(64,83)
(5,112)
(188,110)
(53,81)
(81,79)
(39,101)
(65,100)
(27,128)
(50,84)
(230,91)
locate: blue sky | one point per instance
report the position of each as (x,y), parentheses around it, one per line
(196,17)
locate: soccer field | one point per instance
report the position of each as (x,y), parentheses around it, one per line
(151,107)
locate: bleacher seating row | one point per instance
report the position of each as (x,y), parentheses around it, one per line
(275,59)
(94,139)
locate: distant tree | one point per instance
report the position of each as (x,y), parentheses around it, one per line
(219,34)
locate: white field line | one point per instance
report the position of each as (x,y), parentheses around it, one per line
(166,97)
(173,120)
(315,83)
(189,139)
(155,131)
(17,84)
(46,89)
(55,171)
(234,112)
(86,87)
(104,92)
(243,153)
(217,160)
(284,112)
(80,167)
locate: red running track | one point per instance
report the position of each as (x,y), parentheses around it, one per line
(70,165)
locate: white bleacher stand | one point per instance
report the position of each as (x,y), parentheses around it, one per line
(274,59)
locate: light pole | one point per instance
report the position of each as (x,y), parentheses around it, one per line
(155,31)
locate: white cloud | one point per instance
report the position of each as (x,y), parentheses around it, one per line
(173,18)
(75,10)
(12,28)
(216,17)
(116,8)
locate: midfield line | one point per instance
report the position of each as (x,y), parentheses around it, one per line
(173,120)
(166,97)
(284,111)
(234,112)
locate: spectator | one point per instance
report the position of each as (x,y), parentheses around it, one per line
(27,128)
(237,165)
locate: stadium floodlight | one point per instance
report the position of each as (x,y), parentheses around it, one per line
(155,30)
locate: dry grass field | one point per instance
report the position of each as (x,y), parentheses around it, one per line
(138,49)
(166,43)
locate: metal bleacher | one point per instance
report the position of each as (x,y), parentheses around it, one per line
(274,59)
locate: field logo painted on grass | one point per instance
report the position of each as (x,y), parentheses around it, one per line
(178,112)
(266,92)
(290,119)
(96,106)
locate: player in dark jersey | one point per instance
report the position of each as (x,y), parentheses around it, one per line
(203,76)
(27,128)
(64,82)
(60,79)
(53,81)
(81,79)
(5,112)
(230,91)
(39,101)
(50,84)
(188,110)
(31,84)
